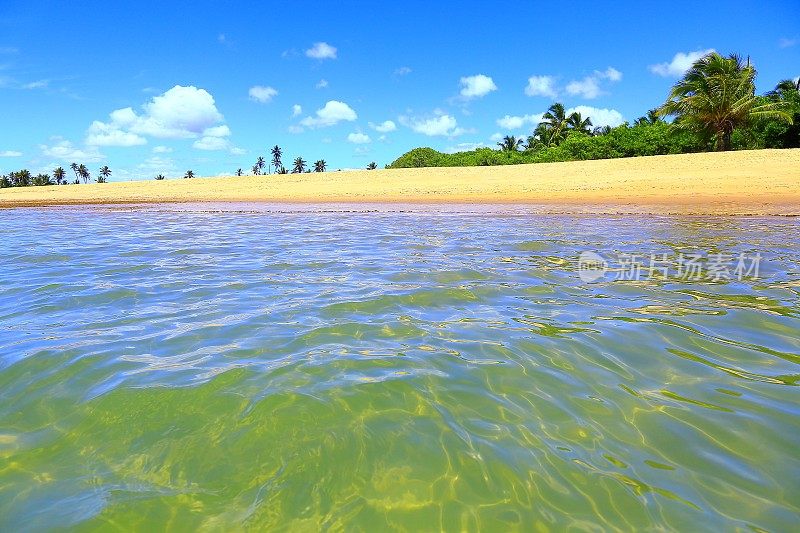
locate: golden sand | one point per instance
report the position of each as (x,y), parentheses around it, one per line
(745,182)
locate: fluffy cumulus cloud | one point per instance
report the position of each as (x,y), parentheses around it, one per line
(297,110)
(179,113)
(590,86)
(542,86)
(440,125)
(321,50)
(600,117)
(262,94)
(332,113)
(358,138)
(63,150)
(214,138)
(384,127)
(681,62)
(510,122)
(10,153)
(477,86)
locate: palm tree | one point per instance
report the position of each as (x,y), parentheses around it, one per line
(239,172)
(74,167)
(716,96)
(282,170)
(105,172)
(276,157)
(651,118)
(59,175)
(189,174)
(555,121)
(601,130)
(84,173)
(260,163)
(320,166)
(788,92)
(372,166)
(510,144)
(299,166)
(160,177)
(577,123)
(254,170)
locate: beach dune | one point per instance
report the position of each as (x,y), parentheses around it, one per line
(745,182)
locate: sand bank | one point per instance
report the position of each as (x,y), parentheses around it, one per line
(765,182)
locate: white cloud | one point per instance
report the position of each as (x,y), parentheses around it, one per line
(477,86)
(63,150)
(321,84)
(321,50)
(612,74)
(682,62)
(463,147)
(10,153)
(384,127)
(787,43)
(262,94)
(295,129)
(162,150)
(238,151)
(402,71)
(181,112)
(358,138)
(39,84)
(589,87)
(332,113)
(509,122)
(211,143)
(600,117)
(496,137)
(297,110)
(217,131)
(445,125)
(542,86)
(102,134)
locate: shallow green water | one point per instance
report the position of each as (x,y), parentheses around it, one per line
(185,368)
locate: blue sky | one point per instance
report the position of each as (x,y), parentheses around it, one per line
(162,87)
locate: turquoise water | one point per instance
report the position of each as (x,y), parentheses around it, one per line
(239,367)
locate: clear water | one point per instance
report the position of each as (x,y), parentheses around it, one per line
(246,368)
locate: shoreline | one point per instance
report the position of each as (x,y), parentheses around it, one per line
(757,182)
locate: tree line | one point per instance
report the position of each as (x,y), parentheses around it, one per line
(713,107)
(24,178)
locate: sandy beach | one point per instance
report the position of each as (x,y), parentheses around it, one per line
(762,182)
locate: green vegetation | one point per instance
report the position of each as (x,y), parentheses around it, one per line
(714,107)
(24,178)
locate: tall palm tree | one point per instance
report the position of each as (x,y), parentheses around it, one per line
(254,170)
(84,173)
(59,175)
(276,157)
(74,167)
(577,123)
(105,172)
(716,96)
(260,164)
(299,166)
(320,166)
(189,174)
(372,166)
(510,144)
(555,121)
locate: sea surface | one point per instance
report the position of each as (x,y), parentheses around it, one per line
(235,367)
